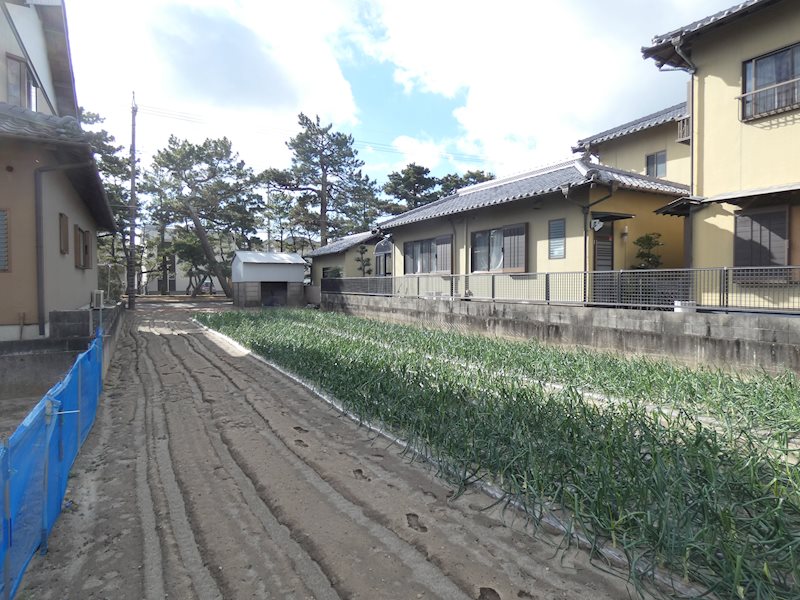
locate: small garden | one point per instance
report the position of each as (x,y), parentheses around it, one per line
(694,472)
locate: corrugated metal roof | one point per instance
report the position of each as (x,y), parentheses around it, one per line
(534,183)
(662,49)
(269,258)
(666,115)
(343,244)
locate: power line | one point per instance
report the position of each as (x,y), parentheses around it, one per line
(380,147)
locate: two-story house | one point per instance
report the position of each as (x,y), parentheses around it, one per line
(744,103)
(52,201)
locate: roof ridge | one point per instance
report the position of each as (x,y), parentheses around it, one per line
(512,178)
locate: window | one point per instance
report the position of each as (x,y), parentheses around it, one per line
(21,91)
(657,164)
(383,258)
(63,233)
(83,247)
(331,272)
(771,83)
(761,238)
(4,262)
(556,239)
(428,256)
(502,249)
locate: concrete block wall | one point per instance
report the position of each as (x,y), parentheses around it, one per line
(730,341)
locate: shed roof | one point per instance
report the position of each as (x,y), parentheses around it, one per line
(269,258)
(665,115)
(344,243)
(662,48)
(572,173)
(71,146)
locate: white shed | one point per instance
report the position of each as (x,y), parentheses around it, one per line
(267,278)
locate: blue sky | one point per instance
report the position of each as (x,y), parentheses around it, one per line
(449,84)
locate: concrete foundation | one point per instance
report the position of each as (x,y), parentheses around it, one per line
(730,341)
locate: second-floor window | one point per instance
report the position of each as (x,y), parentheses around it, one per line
(83,248)
(21,91)
(657,164)
(771,83)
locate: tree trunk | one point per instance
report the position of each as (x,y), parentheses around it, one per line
(164,270)
(209,251)
(323,210)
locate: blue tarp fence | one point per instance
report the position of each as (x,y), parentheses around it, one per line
(35,463)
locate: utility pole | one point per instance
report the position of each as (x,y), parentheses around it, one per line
(132,235)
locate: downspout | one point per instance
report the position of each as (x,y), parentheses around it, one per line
(37,191)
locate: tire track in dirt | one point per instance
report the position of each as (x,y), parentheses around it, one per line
(191,563)
(268,552)
(479,549)
(326,501)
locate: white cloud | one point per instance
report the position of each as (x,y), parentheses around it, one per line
(529,78)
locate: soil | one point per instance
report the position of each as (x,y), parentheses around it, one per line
(208,474)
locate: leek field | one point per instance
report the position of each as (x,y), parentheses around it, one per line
(690,471)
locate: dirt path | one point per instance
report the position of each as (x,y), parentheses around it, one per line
(210,475)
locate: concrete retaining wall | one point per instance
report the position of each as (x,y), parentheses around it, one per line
(725,340)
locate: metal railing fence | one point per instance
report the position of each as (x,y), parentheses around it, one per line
(35,463)
(766,289)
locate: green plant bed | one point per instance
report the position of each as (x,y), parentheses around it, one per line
(714,503)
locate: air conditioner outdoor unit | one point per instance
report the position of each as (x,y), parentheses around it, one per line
(98,297)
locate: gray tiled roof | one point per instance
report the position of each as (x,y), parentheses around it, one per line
(535,183)
(72,146)
(661,48)
(20,122)
(343,244)
(667,115)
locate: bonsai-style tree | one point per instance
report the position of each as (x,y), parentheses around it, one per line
(646,256)
(364,262)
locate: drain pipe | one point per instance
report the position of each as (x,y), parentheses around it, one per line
(37,190)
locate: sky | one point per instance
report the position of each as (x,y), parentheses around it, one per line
(504,86)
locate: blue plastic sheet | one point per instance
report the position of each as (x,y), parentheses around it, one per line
(36,460)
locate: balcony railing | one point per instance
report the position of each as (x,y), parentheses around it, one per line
(771,100)
(762,289)
(684,130)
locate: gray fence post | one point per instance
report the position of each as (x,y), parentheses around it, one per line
(48,417)
(78,414)
(547,288)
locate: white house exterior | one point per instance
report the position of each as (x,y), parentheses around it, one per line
(267,278)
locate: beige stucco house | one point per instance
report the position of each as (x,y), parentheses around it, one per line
(340,257)
(744,65)
(52,202)
(570,217)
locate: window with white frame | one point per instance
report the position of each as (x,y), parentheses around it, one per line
(557,239)
(771,83)
(503,249)
(383,258)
